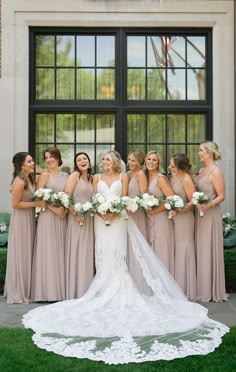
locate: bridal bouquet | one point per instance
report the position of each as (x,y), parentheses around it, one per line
(81,210)
(42,194)
(174,203)
(199,198)
(148,201)
(104,204)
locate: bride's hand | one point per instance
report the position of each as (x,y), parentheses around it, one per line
(108,216)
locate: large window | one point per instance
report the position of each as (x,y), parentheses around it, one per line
(94,90)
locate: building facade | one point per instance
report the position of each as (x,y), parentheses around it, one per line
(93,75)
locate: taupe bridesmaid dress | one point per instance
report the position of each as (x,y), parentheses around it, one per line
(161,231)
(185,260)
(48,272)
(209,248)
(80,246)
(20,251)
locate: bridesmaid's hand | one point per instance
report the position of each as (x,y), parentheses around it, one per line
(173,214)
(152,212)
(60,212)
(40,203)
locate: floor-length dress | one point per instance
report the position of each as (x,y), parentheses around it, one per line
(161,231)
(209,248)
(113,321)
(48,271)
(80,246)
(185,260)
(20,251)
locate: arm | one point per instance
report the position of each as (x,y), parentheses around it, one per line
(189,189)
(17,191)
(143,183)
(167,190)
(69,189)
(95,182)
(124,180)
(217,180)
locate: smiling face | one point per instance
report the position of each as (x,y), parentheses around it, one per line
(152,162)
(82,162)
(28,165)
(204,156)
(132,162)
(107,162)
(51,161)
(172,167)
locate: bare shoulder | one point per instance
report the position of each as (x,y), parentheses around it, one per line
(217,172)
(124,177)
(141,173)
(18,183)
(73,176)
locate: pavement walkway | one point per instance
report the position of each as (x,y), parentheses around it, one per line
(11,315)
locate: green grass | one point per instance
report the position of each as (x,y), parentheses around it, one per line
(19,354)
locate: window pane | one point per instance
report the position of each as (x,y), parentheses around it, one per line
(136,128)
(67,154)
(65,128)
(174,149)
(156,84)
(85,128)
(176,128)
(44,128)
(105,128)
(45,83)
(196,84)
(196,128)
(156,55)
(85,84)
(45,50)
(136,51)
(65,83)
(105,51)
(85,51)
(192,152)
(105,84)
(196,51)
(65,50)
(176,84)
(176,55)
(156,129)
(136,84)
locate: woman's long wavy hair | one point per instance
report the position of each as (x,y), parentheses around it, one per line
(76,169)
(116,159)
(18,161)
(182,162)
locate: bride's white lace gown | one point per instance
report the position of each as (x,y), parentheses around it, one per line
(113,321)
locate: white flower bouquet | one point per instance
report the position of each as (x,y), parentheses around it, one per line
(60,199)
(174,203)
(104,204)
(199,198)
(81,210)
(42,194)
(130,204)
(148,201)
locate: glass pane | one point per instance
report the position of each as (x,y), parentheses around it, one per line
(105,84)
(156,129)
(196,51)
(196,84)
(65,128)
(105,51)
(85,51)
(44,128)
(100,151)
(176,128)
(196,128)
(192,152)
(156,84)
(136,51)
(174,149)
(85,128)
(45,83)
(89,149)
(176,51)
(136,128)
(105,128)
(67,154)
(45,50)
(65,50)
(65,83)
(176,84)
(39,157)
(156,55)
(136,84)
(85,84)
(132,146)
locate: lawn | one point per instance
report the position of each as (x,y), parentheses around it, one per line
(19,354)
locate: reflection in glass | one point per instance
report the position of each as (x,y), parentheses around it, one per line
(136,84)
(65,50)
(192,151)
(156,87)
(196,128)
(85,128)
(196,88)
(45,83)
(196,51)
(105,84)
(175,149)
(65,128)
(44,128)
(156,129)
(156,55)
(175,46)
(67,154)
(85,84)
(105,128)
(176,128)
(136,51)
(85,51)
(176,84)
(45,48)
(138,146)
(136,126)
(105,51)
(65,83)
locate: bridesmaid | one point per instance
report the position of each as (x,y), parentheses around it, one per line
(209,237)
(79,240)
(21,231)
(137,184)
(160,228)
(183,185)
(48,274)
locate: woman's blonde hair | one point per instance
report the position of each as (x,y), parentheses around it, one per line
(212,148)
(139,156)
(116,159)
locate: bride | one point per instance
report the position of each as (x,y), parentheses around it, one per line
(114,322)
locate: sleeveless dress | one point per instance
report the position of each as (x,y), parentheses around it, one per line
(19,253)
(48,271)
(113,322)
(209,248)
(160,231)
(185,261)
(79,246)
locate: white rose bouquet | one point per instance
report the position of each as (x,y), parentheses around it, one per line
(131,204)
(81,210)
(60,199)
(42,194)
(104,204)
(199,198)
(148,201)
(174,203)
